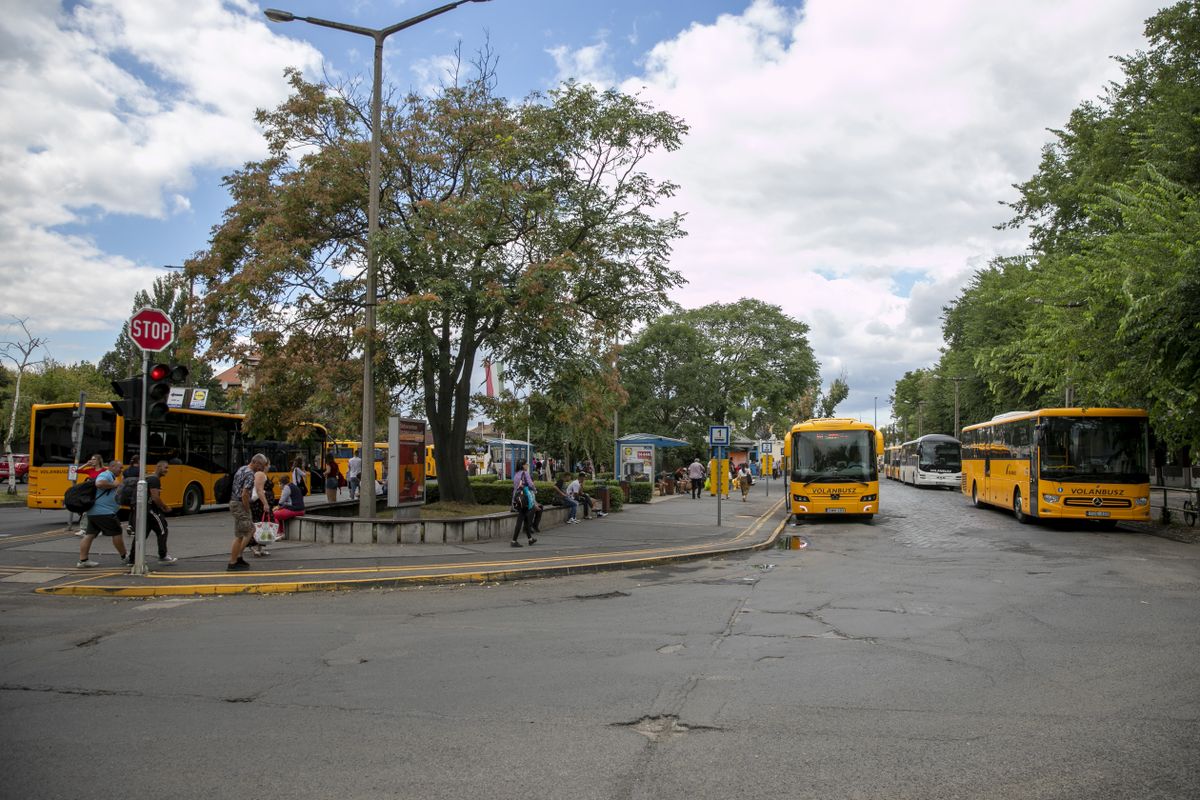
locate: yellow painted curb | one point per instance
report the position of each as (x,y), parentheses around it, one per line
(424,574)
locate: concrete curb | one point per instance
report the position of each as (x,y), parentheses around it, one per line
(600,562)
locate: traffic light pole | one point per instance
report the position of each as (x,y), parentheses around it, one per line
(139,528)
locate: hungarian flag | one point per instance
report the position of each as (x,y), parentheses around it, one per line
(491,373)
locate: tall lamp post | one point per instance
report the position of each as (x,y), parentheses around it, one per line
(366,500)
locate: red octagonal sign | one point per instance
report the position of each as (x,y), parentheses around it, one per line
(151,329)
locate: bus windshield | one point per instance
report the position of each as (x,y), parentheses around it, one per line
(1106,450)
(832,456)
(939,457)
(53,442)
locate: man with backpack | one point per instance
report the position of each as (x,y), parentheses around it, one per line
(155,510)
(102,516)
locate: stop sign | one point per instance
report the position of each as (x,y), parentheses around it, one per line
(151,329)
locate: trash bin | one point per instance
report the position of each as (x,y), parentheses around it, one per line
(625,490)
(600,494)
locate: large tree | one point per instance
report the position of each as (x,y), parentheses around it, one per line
(1103,304)
(744,363)
(514,230)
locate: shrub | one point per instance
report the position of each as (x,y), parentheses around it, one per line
(641,492)
(484,477)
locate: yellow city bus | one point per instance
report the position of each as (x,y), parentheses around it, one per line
(203,447)
(1061,463)
(340,450)
(833,468)
(891,462)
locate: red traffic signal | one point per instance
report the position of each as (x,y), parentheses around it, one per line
(159,382)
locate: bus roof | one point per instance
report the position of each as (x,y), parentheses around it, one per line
(108,407)
(933,437)
(1013,416)
(832,423)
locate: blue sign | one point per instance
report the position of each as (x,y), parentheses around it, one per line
(766,447)
(718,435)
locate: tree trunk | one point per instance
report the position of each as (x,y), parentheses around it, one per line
(12,423)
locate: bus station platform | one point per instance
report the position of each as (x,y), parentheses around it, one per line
(670,528)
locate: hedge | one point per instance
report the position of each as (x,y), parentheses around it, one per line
(499,493)
(641,492)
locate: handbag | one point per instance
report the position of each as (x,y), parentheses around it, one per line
(266,531)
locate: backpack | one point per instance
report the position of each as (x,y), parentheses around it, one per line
(127,494)
(80,498)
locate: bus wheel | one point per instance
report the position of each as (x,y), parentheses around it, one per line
(193,498)
(1019,509)
(975,501)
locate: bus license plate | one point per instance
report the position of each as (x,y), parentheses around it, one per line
(1097,513)
(835,511)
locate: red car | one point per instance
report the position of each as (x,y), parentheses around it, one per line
(22,464)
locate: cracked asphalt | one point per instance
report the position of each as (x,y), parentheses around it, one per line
(940,652)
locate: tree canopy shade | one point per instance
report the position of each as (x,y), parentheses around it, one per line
(516,230)
(1105,301)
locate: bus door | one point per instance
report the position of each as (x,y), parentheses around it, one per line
(986,489)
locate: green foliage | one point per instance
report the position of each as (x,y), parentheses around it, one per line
(742,363)
(1105,302)
(53,382)
(520,230)
(641,492)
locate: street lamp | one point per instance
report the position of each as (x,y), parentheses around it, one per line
(366,500)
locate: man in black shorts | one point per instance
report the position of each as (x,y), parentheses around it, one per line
(102,516)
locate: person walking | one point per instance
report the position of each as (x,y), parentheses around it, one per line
(524,502)
(299,473)
(743,478)
(333,477)
(696,471)
(354,474)
(239,509)
(102,516)
(155,511)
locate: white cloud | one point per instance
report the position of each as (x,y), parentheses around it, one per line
(588,65)
(859,138)
(109,108)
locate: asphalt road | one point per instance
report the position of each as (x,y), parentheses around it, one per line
(941,652)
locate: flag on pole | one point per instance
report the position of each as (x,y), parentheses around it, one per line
(490,387)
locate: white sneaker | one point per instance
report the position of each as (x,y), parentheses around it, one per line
(88,563)
(168,559)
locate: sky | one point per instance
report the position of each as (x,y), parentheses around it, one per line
(847,160)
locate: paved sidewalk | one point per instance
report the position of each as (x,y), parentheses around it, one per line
(669,528)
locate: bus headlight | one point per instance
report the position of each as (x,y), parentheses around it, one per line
(1141,501)
(800,498)
(1050,498)
(868,498)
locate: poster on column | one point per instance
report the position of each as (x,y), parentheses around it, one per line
(637,462)
(405,473)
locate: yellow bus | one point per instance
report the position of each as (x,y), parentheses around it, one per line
(833,468)
(891,462)
(1061,463)
(340,450)
(203,448)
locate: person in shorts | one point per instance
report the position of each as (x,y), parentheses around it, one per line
(102,516)
(239,509)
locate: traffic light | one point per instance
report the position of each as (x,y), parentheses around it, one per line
(159,382)
(130,404)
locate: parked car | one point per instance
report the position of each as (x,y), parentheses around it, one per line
(22,464)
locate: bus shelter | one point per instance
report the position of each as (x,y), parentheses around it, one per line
(503,455)
(637,455)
